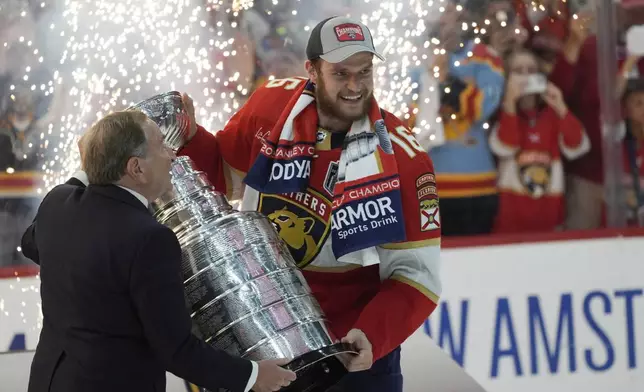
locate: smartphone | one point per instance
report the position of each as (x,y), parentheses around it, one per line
(535,84)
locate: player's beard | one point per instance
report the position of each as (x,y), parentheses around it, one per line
(333,107)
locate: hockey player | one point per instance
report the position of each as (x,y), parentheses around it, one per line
(353,196)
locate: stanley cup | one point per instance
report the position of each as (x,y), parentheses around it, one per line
(243,289)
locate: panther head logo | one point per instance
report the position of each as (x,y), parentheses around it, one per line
(536,178)
(295,231)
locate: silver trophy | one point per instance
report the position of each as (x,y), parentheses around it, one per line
(168,111)
(243,289)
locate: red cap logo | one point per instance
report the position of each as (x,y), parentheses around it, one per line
(349,32)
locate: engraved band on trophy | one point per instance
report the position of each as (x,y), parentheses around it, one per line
(243,289)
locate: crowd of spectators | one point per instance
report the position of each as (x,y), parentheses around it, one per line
(520,108)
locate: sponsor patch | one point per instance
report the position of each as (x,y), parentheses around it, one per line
(302,221)
(359,217)
(427,191)
(429,215)
(349,32)
(427,178)
(362,212)
(290,169)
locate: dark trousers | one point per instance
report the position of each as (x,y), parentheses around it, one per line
(465,216)
(384,376)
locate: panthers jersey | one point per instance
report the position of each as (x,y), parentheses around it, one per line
(531,174)
(386,291)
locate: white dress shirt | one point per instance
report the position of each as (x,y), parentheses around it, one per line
(82,177)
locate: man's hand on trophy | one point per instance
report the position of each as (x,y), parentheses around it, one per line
(360,343)
(271,376)
(190,108)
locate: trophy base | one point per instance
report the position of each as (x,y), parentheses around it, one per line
(318,371)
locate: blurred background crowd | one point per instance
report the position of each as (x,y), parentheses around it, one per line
(509,97)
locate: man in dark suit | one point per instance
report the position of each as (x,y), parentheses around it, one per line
(112,295)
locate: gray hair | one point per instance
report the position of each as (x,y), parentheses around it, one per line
(110,143)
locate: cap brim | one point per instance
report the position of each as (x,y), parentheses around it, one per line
(343,53)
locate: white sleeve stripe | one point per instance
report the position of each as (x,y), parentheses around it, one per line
(577,151)
(418,267)
(498,147)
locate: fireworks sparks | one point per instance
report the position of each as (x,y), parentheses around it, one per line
(113,53)
(123,51)
(117,52)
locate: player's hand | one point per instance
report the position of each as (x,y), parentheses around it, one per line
(272,376)
(364,359)
(190,108)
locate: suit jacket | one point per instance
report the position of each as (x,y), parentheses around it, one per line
(112,299)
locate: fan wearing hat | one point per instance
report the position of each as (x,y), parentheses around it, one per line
(350,191)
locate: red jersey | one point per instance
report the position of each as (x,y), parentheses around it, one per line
(387,296)
(531,175)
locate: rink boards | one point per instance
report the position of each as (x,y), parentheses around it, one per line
(556,315)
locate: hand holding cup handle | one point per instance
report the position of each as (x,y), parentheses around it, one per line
(272,376)
(364,359)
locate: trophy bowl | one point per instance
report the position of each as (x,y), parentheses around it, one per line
(169,113)
(244,291)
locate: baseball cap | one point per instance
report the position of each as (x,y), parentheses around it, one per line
(337,38)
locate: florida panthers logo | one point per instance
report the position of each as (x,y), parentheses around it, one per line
(535,172)
(302,221)
(295,231)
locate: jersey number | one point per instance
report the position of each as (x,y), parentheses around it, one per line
(287,83)
(405,140)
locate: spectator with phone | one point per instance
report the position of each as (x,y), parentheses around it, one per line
(535,130)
